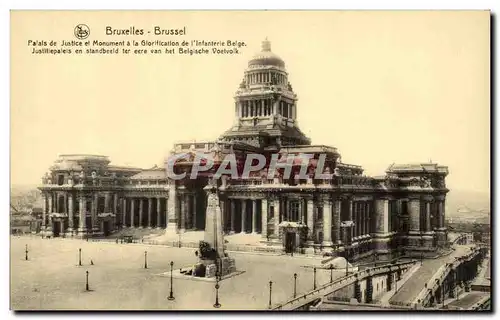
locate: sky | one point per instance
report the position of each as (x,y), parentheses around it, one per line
(382,87)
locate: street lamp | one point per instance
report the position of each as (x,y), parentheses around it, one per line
(80,257)
(217,304)
(331,273)
(87,281)
(171,296)
(145,259)
(26,253)
(314,287)
(421,258)
(295,285)
(270,293)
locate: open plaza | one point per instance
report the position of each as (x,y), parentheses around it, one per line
(51,278)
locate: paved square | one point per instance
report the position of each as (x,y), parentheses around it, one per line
(52,280)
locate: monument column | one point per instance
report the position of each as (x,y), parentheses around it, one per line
(327,223)
(277,218)
(158,213)
(141,207)
(124,213)
(233,215)
(150,211)
(310,221)
(243,215)
(132,212)
(264,218)
(254,216)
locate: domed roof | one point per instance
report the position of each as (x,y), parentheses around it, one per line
(266,57)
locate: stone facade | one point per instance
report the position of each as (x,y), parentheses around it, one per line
(351,214)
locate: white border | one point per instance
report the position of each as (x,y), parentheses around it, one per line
(146,4)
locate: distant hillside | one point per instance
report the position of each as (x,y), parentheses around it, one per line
(468,205)
(25,197)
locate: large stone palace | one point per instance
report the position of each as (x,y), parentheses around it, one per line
(85,195)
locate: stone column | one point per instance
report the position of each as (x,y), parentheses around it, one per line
(44,212)
(132,212)
(93,217)
(336,221)
(70,214)
(233,215)
(82,223)
(183,213)
(310,221)
(141,208)
(327,223)
(276,218)
(150,212)
(189,211)
(381,232)
(368,217)
(254,216)
(106,202)
(243,215)
(51,199)
(414,212)
(301,212)
(264,218)
(195,212)
(124,213)
(441,230)
(115,209)
(158,213)
(172,208)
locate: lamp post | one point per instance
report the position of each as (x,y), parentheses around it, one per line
(270,293)
(346,267)
(331,273)
(87,281)
(80,257)
(145,259)
(314,285)
(217,304)
(26,251)
(421,258)
(295,285)
(171,296)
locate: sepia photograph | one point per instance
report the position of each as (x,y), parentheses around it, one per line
(261,160)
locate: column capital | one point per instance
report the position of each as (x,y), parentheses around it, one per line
(440,197)
(414,197)
(428,198)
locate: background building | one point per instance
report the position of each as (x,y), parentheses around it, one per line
(353,214)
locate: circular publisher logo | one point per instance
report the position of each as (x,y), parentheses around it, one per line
(82,31)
